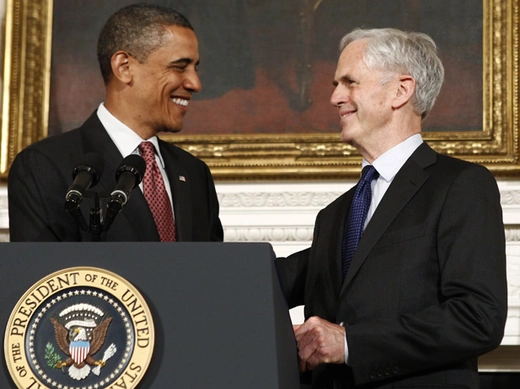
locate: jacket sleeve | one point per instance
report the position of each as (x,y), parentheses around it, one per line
(292,275)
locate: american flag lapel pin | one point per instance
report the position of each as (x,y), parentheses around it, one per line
(182,178)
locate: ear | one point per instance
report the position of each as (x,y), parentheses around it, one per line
(405,91)
(121,66)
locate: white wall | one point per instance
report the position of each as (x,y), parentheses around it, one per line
(283,213)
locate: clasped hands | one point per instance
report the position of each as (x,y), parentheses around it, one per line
(319,341)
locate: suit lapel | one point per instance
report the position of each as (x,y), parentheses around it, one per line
(404,186)
(180,186)
(95,139)
(136,211)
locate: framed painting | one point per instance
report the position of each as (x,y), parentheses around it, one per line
(266,70)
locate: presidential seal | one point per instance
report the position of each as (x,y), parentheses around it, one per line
(79,328)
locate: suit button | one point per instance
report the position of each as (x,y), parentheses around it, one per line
(395,369)
(380,372)
(372,375)
(388,371)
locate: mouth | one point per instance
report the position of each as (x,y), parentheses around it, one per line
(343,114)
(180,101)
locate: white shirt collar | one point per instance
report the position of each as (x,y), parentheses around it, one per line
(390,162)
(125,139)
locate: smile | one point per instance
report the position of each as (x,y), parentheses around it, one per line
(345,114)
(179,101)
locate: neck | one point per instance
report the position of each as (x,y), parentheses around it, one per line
(118,108)
(385,140)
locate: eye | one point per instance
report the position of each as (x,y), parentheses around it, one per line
(179,68)
(345,81)
(348,82)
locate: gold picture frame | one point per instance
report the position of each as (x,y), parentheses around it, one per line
(26,89)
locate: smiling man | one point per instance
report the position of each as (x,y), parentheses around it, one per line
(404,285)
(148,57)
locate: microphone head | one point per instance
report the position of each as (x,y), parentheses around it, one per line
(91,163)
(134,164)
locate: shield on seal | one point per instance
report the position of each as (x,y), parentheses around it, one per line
(79,350)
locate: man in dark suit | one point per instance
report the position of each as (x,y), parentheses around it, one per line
(148,57)
(424,292)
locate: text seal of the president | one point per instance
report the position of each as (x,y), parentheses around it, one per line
(81,327)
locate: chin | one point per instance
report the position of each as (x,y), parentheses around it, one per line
(348,135)
(345,138)
(170,129)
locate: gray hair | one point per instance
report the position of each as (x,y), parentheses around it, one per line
(399,52)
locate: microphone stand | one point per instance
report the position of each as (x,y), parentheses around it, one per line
(72,208)
(95,225)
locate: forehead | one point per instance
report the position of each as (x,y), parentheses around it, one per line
(179,42)
(351,58)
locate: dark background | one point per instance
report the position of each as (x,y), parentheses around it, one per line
(500,380)
(251,52)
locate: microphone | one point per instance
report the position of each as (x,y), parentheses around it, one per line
(84,175)
(128,175)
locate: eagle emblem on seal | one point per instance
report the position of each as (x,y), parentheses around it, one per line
(81,330)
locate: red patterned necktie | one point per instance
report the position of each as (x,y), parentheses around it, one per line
(156,195)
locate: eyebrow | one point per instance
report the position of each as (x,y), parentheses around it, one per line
(183,61)
(345,78)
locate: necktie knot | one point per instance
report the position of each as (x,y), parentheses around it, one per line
(147,151)
(368,174)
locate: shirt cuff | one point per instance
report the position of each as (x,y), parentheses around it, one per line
(346,344)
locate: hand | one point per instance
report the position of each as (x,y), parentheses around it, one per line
(319,341)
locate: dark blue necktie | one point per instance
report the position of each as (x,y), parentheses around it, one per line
(357,216)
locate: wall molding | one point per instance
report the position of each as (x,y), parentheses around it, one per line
(283,214)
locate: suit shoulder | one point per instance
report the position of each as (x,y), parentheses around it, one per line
(61,145)
(449,171)
(69,142)
(433,162)
(56,143)
(458,166)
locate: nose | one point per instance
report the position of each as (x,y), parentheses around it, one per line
(338,96)
(192,81)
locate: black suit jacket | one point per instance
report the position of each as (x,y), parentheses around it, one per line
(42,173)
(426,292)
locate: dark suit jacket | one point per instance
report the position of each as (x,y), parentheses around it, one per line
(426,291)
(42,173)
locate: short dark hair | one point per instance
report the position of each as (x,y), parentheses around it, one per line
(137,29)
